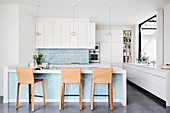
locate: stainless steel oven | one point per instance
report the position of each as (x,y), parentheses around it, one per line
(94,54)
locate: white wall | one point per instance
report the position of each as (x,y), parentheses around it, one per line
(17,40)
(167,34)
(8,38)
(160,38)
(26,36)
(135,43)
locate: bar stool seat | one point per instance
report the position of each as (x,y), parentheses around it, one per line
(70,76)
(38,80)
(25,76)
(102,76)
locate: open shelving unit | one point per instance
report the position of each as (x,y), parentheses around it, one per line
(127,46)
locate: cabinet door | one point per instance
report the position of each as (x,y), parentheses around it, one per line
(73,39)
(117,36)
(104,38)
(82,35)
(117,53)
(48,35)
(40,39)
(105,52)
(56,35)
(91,35)
(65,35)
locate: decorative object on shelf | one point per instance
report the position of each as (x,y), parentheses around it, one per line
(73,33)
(127,33)
(37,33)
(127,49)
(109,33)
(37,58)
(124,54)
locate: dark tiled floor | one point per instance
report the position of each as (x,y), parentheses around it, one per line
(138,102)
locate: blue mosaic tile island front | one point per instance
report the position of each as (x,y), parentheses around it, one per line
(65,56)
(52,87)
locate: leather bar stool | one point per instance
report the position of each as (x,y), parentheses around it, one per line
(70,76)
(26,76)
(102,76)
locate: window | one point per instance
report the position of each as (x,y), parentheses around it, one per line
(147,39)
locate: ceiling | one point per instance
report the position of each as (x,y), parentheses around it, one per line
(124,12)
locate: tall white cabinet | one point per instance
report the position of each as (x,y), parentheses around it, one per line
(111,47)
(56,33)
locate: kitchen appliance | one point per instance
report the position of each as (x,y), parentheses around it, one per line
(94,54)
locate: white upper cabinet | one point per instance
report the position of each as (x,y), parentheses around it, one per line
(91,35)
(48,35)
(82,35)
(102,36)
(73,39)
(40,38)
(117,36)
(65,40)
(111,47)
(56,33)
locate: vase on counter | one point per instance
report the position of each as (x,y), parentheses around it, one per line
(35,63)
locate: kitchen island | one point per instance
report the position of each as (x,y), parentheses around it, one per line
(52,78)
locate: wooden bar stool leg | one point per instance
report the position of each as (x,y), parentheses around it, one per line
(18,96)
(61,94)
(32,97)
(111,96)
(109,93)
(80,95)
(63,88)
(29,91)
(92,95)
(43,88)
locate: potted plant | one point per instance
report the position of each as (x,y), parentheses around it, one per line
(37,58)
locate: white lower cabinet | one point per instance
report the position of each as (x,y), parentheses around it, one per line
(117,53)
(57,34)
(147,79)
(111,53)
(105,52)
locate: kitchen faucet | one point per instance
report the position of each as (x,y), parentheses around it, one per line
(154,62)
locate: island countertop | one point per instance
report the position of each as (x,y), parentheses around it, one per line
(57,69)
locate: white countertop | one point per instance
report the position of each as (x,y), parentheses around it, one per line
(150,66)
(156,70)
(87,68)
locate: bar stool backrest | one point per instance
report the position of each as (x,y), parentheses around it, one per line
(102,75)
(71,75)
(25,75)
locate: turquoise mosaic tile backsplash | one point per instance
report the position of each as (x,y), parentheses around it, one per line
(65,56)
